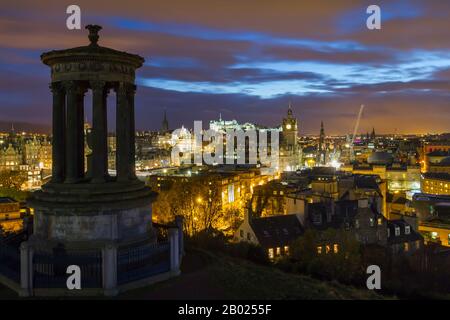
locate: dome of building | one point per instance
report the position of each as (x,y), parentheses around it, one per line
(380,158)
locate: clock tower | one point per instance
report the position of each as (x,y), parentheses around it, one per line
(290,152)
(289,130)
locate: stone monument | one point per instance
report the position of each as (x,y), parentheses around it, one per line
(86,207)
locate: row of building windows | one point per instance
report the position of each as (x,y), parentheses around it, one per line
(435,236)
(277,252)
(328,249)
(371,222)
(407,246)
(397,231)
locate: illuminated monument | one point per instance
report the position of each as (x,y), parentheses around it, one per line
(84,216)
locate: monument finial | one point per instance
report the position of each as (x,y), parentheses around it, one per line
(93,33)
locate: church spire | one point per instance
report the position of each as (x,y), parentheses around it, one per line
(322,133)
(165,123)
(289,109)
(321,149)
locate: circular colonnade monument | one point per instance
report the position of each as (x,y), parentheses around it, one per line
(85,206)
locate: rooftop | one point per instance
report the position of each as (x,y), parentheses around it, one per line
(437,176)
(403,236)
(277,231)
(7,200)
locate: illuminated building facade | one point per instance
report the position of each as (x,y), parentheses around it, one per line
(10,159)
(399,178)
(435,183)
(10,216)
(222,190)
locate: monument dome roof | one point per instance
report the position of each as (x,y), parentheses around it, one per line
(90,51)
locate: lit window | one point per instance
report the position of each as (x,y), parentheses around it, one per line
(407,230)
(286,250)
(335,248)
(278,251)
(356,223)
(397,231)
(270,253)
(319,250)
(372,222)
(434,235)
(328,249)
(231,193)
(380,221)
(406,247)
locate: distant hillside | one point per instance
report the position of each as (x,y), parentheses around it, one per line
(5,126)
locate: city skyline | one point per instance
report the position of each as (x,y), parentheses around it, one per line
(248,67)
(215,150)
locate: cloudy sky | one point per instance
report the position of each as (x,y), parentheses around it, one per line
(247,60)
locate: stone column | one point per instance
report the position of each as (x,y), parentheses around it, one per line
(179,223)
(58,133)
(26,270)
(99,132)
(74,132)
(132,154)
(123,148)
(174,250)
(109,253)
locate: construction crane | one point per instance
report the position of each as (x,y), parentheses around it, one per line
(352,154)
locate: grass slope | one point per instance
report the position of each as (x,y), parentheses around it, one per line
(207,275)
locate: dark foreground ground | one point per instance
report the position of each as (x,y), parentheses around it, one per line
(210,276)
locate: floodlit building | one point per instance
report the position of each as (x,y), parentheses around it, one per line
(10,215)
(435,183)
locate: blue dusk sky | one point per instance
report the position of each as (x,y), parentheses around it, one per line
(247,60)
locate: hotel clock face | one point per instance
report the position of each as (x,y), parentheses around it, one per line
(288,126)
